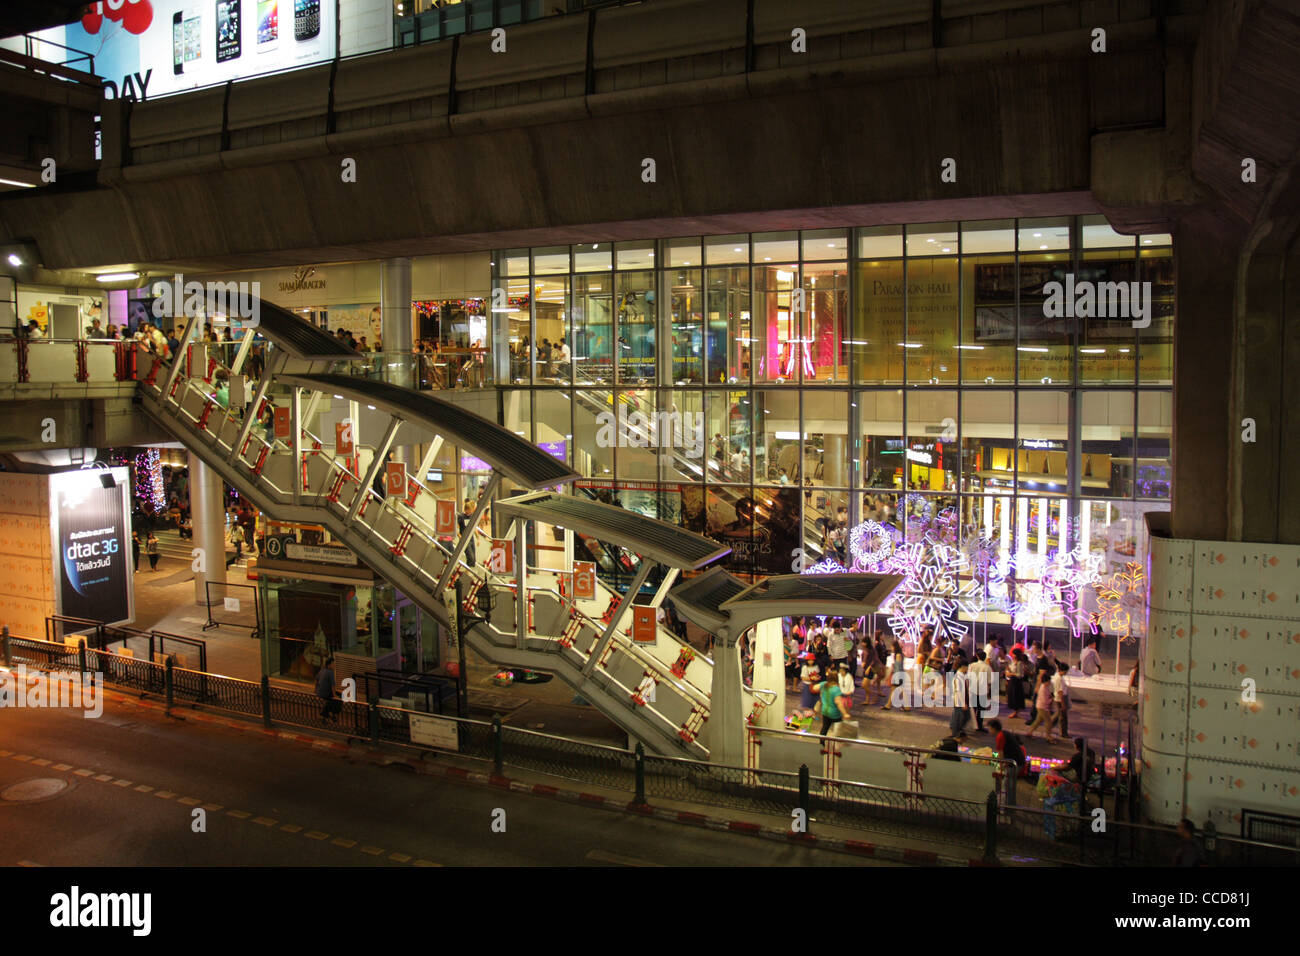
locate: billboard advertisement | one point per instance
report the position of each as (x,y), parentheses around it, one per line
(149,48)
(92,544)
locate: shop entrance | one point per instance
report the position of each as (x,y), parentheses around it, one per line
(419,637)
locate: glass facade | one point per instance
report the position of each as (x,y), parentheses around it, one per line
(756,387)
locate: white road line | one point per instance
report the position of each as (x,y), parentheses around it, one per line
(601,856)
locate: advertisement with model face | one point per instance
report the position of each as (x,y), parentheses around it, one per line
(92,544)
(144,49)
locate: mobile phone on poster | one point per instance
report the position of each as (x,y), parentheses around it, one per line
(186,38)
(228,30)
(178,44)
(306,19)
(268,24)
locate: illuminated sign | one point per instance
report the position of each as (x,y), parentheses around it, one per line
(92,544)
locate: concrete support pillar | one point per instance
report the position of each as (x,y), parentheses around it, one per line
(395,312)
(208,513)
(726,726)
(769,670)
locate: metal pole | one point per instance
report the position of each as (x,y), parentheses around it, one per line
(266,700)
(991,828)
(462,685)
(498,758)
(638,760)
(4,645)
(803,796)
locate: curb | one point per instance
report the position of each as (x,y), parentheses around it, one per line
(495,781)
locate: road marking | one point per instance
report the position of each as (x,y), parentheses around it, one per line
(265,821)
(165,794)
(121,783)
(346,844)
(84,773)
(372,850)
(399,857)
(212,807)
(290,828)
(24,758)
(62,766)
(316,835)
(144,788)
(40,762)
(425,863)
(189,801)
(103,777)
(601,856)
(6,753)
(238,814)
(29,863)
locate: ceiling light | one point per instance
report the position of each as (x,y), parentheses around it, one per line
(977,347)
(1043,246)
(910,345)
(116,276)
(14,182)
(767,258)
(1092,351)
(929,240)
(1031,348)
(15,260)
(738,249)
(1038,235)
(946,249)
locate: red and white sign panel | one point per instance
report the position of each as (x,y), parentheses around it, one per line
(395,475)
(502,558)
(282,425)
(445,519)
(643,625)
(584,580)
(343,438)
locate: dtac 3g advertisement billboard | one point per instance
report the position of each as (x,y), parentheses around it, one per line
(91,531)
(147,48)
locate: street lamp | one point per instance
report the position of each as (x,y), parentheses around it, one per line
(463,623)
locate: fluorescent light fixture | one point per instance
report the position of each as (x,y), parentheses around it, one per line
(1038,235)
(116,276)
(14,182)
(946,249)
(1092,351)
(788,436)
(1125,351)
(15,260)
(1031,348)
(371,407)
(910,345)
(738,249)
(1043,246)
(975,347)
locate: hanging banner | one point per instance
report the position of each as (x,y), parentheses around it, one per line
(445,519)
(584,580)
(92,543)
(343,438)
(502,558)
(395,478)
(643,625)
(282,426)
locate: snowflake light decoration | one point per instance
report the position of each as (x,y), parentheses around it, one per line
(870,543)
(1121,599)
(932,592)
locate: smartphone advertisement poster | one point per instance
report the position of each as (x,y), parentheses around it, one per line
(144,49)
(92,537)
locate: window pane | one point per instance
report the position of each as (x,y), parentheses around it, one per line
(777,437)
(1096,233)
(592,257)
(823,244)
(931,418)
(727,332)
(775,325)
(1041,442)
(636,327)
(988,335)
(988,235)
(776,247)
(1156,342)
(551,423)
(595,436)
(879,242)
(1106,351)
(592,344)
(683,252)
(511,262)
(826,454)
(988,441)
(881,415)
(551,261)
(1155,431)
(645,436)
(634,255)
(726,250)
(932,303)
(1044,348)
(878,323)
(825,327)
(551,324)
(682,293)
(1044,235)
(1106,455)
(932,239)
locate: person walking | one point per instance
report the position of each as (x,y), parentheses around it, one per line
(1061,702)
(325,691)
(151,549)
(236,539)
(897,679)
(135,549)
(1016,671)
(960,699)
(1042,705)
(809,674)
(982,690)
(834,708)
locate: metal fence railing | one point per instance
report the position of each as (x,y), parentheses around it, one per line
(233,605)
(1063,834)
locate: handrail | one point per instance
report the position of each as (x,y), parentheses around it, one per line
(1008,766)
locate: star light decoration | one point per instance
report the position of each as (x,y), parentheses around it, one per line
(933,591)
(1121,599)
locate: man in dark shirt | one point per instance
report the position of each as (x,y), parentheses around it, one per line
(950,747)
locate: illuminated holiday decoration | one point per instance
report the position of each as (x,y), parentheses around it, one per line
(932,593)
(148,479)
(870,543)
(825,566)
(1121,599)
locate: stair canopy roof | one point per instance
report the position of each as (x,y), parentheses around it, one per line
(656,540)
(700,599)
(290,332)
(795,595)
(514,457)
